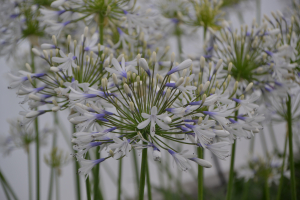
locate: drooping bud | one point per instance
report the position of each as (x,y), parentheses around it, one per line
(249,86)
(219,64)
(143,63)
(203,98)
(30,79)
(34,97)
(45,54)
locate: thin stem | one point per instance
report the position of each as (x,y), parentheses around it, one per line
(282,170)
(120,180)
(267,191)
(263,142)
(56,184)
(76,176)
(230,181)
(36,126)
(136,169)
(291,154)
(7,185)
(53,146)
(179,44)
(29,173)
(143,174)
(5,190)
(148,183)
(88,189)
(245,190)
(200,174)
(273,138)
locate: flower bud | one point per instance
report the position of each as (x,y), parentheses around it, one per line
(219,64)
(249,86)
(55,108)
(126,89)
(200,120)
(229,67)
(131,106)
(179,82)
(168,93)
(45,54)
(202,62)
(206,85)
(30,79)
(28,67)
(154,56)
(54,69)
(54,40)
(172,57)
(203,98)
(167,120)
(34,97)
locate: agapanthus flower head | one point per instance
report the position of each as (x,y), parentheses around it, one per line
(57,159)
(118,104)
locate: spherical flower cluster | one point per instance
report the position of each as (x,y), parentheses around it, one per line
(119,105)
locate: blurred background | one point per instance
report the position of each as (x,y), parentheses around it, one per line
(167,181)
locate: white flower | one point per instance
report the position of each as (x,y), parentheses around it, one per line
(65,61)
(121,71)
(154,119)
(181,161)
(199,161)
(219,149)
(120,147)
(87,165)
(248,104)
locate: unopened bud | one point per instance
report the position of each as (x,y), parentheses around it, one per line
(131,106)
(219,64)
(229,67)
(200,120)
(29,78)
(206,85)
(168,93)
(179,82)
(249,86)
(172,57)
(126,89)
(45,54)
(202,62)
(28,67)
(54,40)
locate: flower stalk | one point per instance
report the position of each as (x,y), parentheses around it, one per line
(290,135)
(143,174)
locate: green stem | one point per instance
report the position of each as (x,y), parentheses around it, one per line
(273,138)
(96,176)
(230,181)
(76,176)
(56,184)
(291,154)
(282,170)
(245,190)
(5,190)
(200,174)
(29,173)
(7,185)
(120,180)
(143,174)
(36,126)
(267,192)
(136,169)
(179,43)
(88,188)
(53,146)
(148,183)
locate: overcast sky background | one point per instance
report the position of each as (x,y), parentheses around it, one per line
(14,166)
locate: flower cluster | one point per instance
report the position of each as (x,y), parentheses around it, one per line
(119,104)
